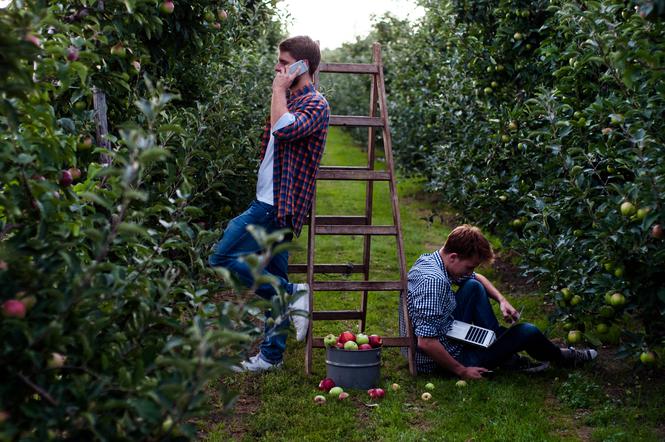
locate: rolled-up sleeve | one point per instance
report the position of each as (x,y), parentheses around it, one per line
(284,120)
(307,119)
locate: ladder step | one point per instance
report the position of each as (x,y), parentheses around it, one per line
(352,173)
(349,68)
(356,230)
(355,120)
(388,341)
(353,286)
(344,269)
(336,314)
(339,220)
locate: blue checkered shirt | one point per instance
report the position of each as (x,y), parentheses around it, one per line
(431,303)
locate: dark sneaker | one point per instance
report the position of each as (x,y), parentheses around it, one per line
(525,365)
(572,356)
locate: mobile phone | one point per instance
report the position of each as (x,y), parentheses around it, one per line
(299,68)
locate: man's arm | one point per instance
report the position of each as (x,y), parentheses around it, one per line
(436,351)
(507,310)
(280,85)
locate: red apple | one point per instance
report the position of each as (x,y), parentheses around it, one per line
(13,309)
(72,53)
(375,341)
(339,345)
(376,393)
(222,14)
(217,25)
(3,265)
(66,178)
(326,384)
(320,399)
(167,7)
(31,38)
(365,347)
(343,395)
(657,231)
(345,337)
(3,416)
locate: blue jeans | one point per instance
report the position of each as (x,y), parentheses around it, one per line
(237,242)
(473,306)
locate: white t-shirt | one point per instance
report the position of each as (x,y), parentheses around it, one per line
(264,185)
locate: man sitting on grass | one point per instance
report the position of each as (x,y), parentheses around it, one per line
(433,306)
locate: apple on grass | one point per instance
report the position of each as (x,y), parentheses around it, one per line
(320,399)
(326,384)
(426,396)
(376,393)
(335,391)
(429,386)
(461,383)
(395,387)
(343,395)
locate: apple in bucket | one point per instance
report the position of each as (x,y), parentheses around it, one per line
(375,341)
(346,336)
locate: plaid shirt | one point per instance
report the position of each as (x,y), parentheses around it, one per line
(431,303)
(298,152)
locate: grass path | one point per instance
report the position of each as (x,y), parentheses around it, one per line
(555,405)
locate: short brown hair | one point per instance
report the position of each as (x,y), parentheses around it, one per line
(468,242)
(303,48)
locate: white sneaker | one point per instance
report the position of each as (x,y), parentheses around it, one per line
(256,364)
(301,323)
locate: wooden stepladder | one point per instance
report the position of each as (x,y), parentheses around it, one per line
(358,225)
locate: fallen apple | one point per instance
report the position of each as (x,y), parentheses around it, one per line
(343,395)
(426,396)
(395,387)
(326,384)
(335,391)
(376,393)
(13,308)
(429,386)
(461,383)
(320,399)
(350,345)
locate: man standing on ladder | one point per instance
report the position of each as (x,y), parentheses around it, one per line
(292,147)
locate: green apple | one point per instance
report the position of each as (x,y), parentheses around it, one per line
(362,339)
(517,36)
(617,300)
(642,212)
(575,300)
(335,391)
(627,208)
(574,336)
(648,357)
(461,383)
(429,386)
(395,387)
(330,340)
(350,345)
(567,294)
(618,271)
(487,90)
(602,328)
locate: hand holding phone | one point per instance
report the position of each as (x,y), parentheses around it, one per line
(298,68)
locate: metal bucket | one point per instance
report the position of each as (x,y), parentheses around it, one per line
(354,368)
